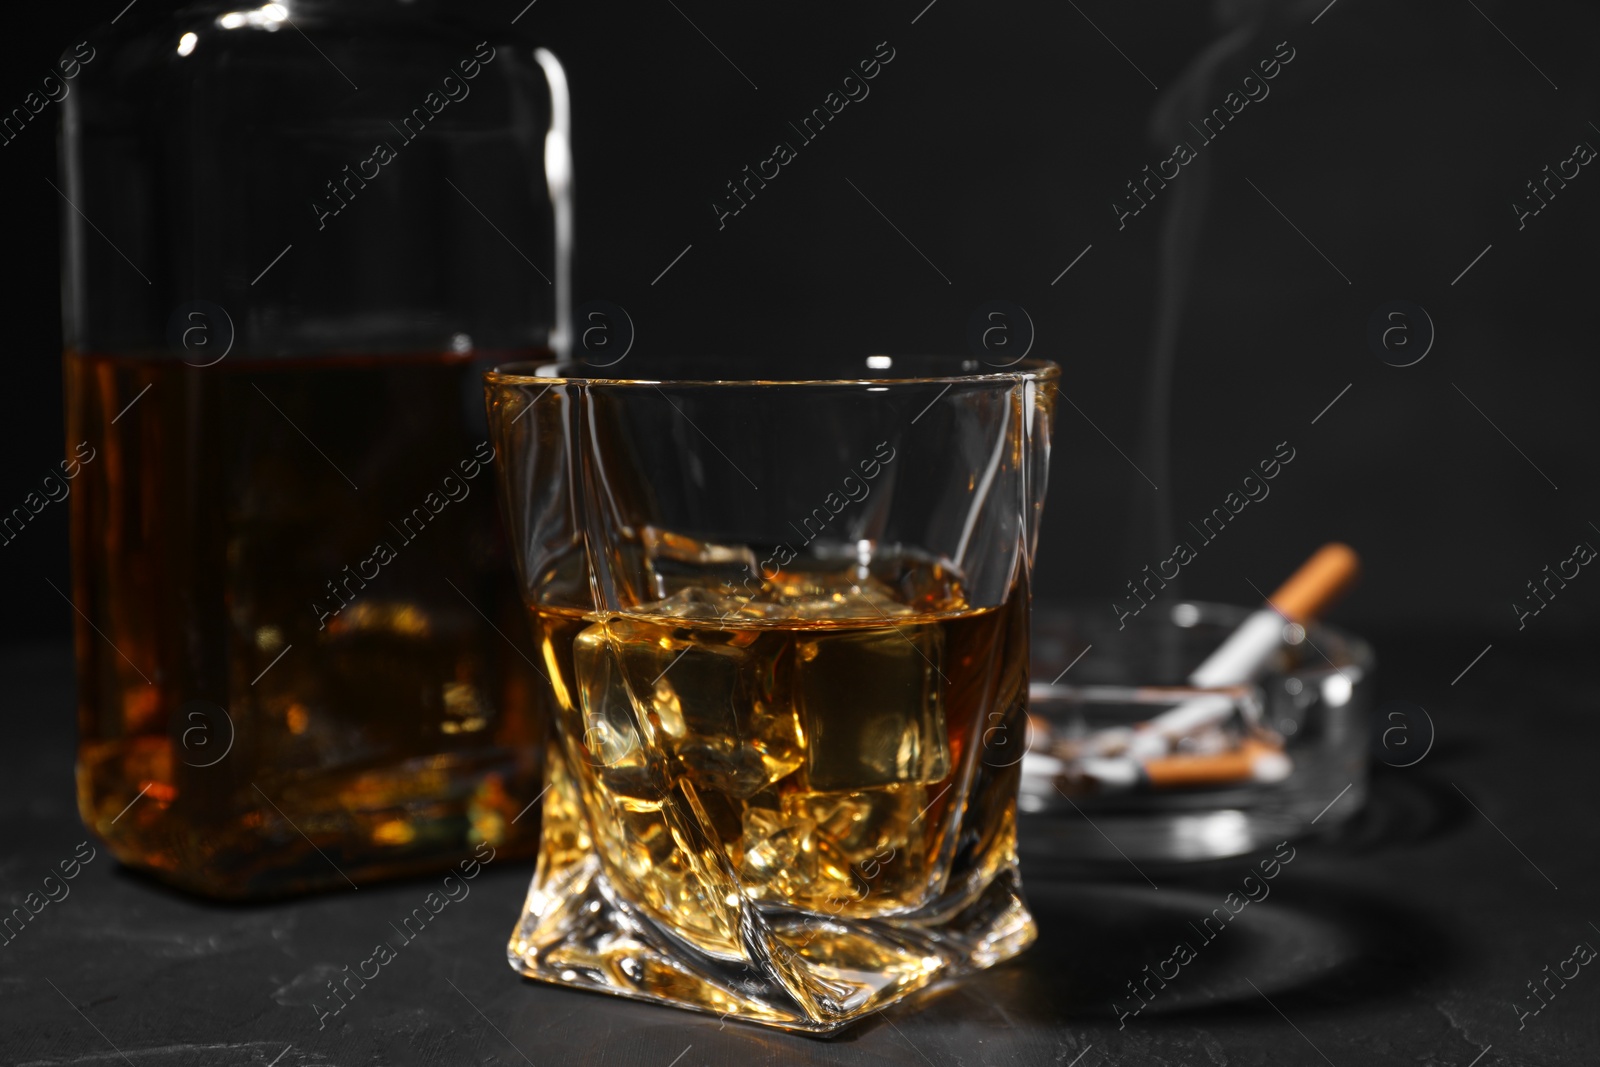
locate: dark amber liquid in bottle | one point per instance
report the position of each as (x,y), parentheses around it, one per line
(302,657)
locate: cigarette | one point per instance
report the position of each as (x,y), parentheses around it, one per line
(1308,592)
(1253,761)
(1320,581)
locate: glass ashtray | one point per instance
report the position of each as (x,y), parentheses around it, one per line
(1265,762)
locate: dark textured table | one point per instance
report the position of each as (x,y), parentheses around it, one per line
(1409,936)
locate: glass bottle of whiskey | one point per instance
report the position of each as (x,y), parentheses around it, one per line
(302,660)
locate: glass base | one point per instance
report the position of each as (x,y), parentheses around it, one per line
(793,970)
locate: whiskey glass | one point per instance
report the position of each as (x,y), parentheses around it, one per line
(779,619)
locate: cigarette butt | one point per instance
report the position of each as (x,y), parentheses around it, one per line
(1039,733)
(1117,758)
(1320,581)
(1253,761)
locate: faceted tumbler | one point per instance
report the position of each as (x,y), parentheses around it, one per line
(780,619)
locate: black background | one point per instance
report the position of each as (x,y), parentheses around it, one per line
(997,140)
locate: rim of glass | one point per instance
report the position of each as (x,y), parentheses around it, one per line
(559,372)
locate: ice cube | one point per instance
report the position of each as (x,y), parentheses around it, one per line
(727,605)
(618,744)
(831,595)
(878,836)
(752,595)
(678,561)
(670,866)
(784,860)
(770,851)
(871,705)
(857,853)
(715,698)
